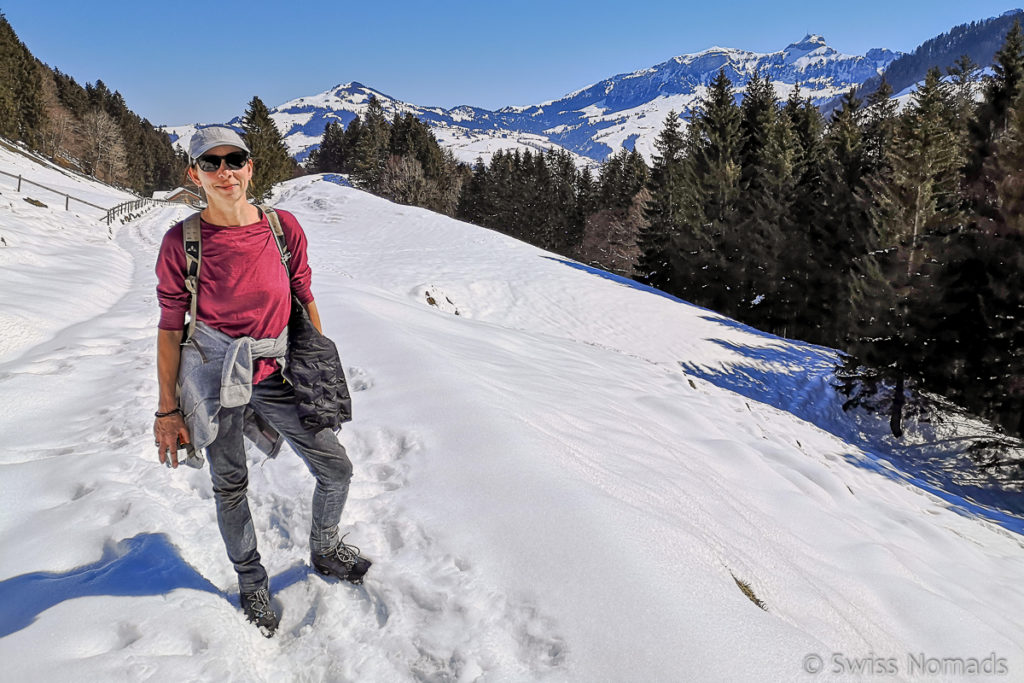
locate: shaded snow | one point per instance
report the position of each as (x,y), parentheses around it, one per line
(559,474)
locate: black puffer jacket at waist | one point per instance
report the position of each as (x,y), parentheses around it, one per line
(314,369)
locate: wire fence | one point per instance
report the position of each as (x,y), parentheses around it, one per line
(67,198)
(132,209)
(125,210)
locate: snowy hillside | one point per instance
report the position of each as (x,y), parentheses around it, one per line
(624,111)
(559,475)
(302,121)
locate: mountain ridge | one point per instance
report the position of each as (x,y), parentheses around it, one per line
(623,111)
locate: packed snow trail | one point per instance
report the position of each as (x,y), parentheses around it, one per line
(96,379)
(545,495)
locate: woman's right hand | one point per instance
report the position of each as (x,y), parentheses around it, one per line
(169,432)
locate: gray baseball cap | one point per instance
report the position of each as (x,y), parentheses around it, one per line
(206,139)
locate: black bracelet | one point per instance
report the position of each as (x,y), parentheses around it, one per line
(169,413)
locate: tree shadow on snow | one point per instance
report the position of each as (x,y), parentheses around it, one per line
(147,564)
(795,377)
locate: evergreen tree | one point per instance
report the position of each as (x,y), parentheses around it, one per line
(800,260)
(22,110)
(985,293)
(763,205)
(328,157)
(272,163)
(657,238)
(1001,91)
(845,237)
(709,277)
(371,147)
(916,200)
(473,206)
(964,75)
(564,229)
(10,56)
(879,130)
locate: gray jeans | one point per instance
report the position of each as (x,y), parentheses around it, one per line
(274,400)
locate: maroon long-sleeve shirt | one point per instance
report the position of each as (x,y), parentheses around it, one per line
(244,291)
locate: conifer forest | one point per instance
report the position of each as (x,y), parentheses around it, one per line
(890,232)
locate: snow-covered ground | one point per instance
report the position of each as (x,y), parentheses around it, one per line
(559,476)
(48,183)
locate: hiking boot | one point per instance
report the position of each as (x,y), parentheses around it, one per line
(343,563)
(256,606)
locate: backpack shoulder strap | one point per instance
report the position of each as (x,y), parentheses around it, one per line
(275,226)
(192,235)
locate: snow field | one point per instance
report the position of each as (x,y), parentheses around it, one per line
(550,483)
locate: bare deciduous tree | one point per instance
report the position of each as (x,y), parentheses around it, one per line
(609,237)
(403,181)
(104,153)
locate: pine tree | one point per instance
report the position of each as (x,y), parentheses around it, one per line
(710,276)
(799,259)
(964,75)
(657,238)
(371,148)
(764,204)
(915,201)
(328,156)
(472,205)
(565,231)
(272,163)
(879,130)
(10,60)
(22,110)
(991,340)
(845,237)
(1001,91)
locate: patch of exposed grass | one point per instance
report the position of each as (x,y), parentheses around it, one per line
(749,592)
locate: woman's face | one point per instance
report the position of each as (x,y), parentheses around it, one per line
(223,185)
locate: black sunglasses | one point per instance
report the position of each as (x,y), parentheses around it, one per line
(211,162)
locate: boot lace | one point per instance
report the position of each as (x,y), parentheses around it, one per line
(259,601)
(347,554)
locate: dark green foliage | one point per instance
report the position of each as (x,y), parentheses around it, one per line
(400,160)
(88,128)
(658,239)
(982,288)
(329,155)
(22,112)
(868,234)
(370,153)
(1001,91)
(764,205)
(800,260)
(272,163)
(964,75)
(707,272)
(533,197)
(977,41)
(915,203)
(844,235)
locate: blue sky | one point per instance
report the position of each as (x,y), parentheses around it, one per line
(177,67)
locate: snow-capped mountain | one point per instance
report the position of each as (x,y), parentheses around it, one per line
(561,475)
(624,111)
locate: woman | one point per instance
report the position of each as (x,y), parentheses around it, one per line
(242,308)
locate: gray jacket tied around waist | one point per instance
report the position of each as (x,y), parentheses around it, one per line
(216,372)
